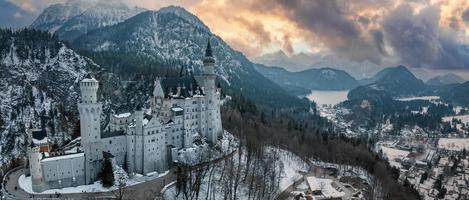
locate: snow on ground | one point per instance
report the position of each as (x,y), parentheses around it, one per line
(119,175)
(292,165)
(325,186)
(392,154)
(463,118)
(454,144)
(25,184)
(122,115)
(426,98)
(202,152)
(458,109)
(289,164)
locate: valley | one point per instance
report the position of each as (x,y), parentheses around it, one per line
(432,162)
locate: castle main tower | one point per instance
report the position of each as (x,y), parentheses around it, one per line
(37,179)
(90,125)
(212,101)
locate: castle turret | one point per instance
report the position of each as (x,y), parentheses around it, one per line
(139,140)
(35,169)
(90,125)
(213,127)
(157,97)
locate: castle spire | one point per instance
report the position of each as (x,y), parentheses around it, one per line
(208,50)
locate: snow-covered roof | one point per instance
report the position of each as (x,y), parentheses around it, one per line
(325,186)
(39,142)
(177,109)
(122,115)
(67,156)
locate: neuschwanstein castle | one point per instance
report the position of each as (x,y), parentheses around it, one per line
(146,142)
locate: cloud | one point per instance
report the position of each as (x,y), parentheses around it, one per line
(418,41)
(12,16)
(418,33)
(465,15)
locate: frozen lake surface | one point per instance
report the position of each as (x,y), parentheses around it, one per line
(328,97)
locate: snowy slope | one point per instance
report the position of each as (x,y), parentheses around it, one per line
(38,84)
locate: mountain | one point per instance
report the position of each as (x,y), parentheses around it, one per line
(446,79)
(38,84)
(302,61)
(295,62)
(397,81)
(359,70)
(74,18)
(301,83)
(174,38)
(457,94)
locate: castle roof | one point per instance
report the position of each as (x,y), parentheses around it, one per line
(107,134)
(208,50)
(188,87)
(89,78)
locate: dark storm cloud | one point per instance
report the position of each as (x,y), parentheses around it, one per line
(328,20)
(419,42)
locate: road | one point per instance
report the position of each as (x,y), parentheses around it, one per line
(146,190)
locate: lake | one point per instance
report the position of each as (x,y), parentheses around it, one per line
(327,97)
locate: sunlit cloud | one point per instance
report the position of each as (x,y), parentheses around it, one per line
(355,29)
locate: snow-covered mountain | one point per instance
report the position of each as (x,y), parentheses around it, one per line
(38,84)
(76,17)
(173,37)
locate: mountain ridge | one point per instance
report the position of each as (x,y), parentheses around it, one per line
(302,82)
(174,37)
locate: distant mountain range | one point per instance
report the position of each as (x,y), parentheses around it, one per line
(302,82)
(446,79)
(295,62)
(302,61)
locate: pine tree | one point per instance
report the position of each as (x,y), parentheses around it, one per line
(106,175)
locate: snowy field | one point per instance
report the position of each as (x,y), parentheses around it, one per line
(426,98)
(392,154)
(464,118)
(291,167)
(454,144)
(328,97)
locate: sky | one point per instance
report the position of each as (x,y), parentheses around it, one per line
(417,33)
